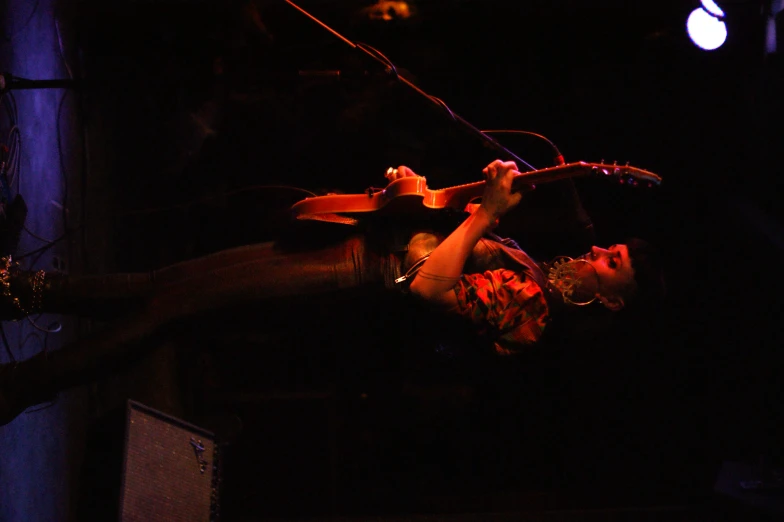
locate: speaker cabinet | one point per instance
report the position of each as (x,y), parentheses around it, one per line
(144,465)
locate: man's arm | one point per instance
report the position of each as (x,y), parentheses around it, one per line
(439,274)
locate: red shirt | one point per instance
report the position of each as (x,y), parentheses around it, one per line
(505,304)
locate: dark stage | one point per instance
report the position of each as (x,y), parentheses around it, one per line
(193,126)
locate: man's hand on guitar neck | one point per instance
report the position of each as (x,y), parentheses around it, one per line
(401,172)
(502,195)
(498,198)
(436,279)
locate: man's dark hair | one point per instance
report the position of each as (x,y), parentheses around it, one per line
(648,272)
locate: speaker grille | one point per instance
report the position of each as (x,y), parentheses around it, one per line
(170,469)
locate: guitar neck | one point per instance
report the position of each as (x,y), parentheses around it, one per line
(558,173)
(573,170)
(459,195)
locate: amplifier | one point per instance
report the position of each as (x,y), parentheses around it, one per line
(167,470)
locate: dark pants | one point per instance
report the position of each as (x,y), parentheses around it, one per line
(144,303)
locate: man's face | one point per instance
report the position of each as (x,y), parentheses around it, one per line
(616,275)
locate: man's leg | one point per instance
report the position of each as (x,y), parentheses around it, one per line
(268,268)
(256,273)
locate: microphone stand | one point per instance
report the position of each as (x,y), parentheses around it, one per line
(9,82)
(488,141)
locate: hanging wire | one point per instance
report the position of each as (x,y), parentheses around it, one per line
(558,156)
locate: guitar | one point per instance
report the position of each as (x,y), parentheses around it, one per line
(407,195)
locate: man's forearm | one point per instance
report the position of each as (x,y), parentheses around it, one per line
(438,275)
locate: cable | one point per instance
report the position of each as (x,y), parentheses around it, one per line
(55,327)
(445,106)
(36,235)
(559,159)
(41,249)
(369,49)
(38,253)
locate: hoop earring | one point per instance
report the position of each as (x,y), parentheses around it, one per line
(563,275)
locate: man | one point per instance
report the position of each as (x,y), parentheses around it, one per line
(517,304)
(503,294)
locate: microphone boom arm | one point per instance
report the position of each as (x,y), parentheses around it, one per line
(487,140)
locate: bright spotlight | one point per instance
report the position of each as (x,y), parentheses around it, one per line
(705,29)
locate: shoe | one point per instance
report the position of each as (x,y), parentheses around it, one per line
(21,386)
(21,292)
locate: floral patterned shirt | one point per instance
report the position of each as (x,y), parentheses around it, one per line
(507,305)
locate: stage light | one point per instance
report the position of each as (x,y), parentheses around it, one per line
(388,10)
(706,28)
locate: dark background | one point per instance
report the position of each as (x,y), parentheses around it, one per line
(340,411)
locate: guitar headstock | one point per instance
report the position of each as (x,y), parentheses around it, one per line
(626,174)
